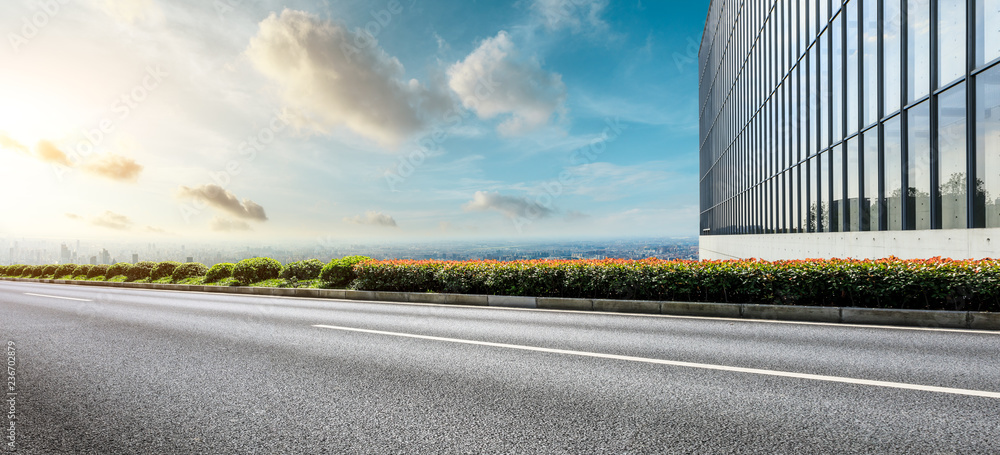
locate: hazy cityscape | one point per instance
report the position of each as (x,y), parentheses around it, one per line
(47,251)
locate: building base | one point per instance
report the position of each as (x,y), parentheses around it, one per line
(955,244)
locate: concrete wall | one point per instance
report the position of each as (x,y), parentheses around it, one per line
(955,244)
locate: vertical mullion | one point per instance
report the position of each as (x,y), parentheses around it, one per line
(935,193)
(970,114)
(842,148)
(904,120)
(881,224)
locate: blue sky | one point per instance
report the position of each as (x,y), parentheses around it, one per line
(367,120)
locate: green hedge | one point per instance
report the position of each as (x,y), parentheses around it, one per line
(140,270)
(163,270)
(64,270)
(938,284)
(340,272)
(49,271)
(254,270)
(118,269)
(303,270)
(97,270)
(82,270)
(189,270)
(219,271)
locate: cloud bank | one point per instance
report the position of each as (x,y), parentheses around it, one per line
(573,14)
(373,218)
(109,166)
(337,78)
(112,220)
(226,225)
(220,198)
(510,206)
(115,167)
(519,86)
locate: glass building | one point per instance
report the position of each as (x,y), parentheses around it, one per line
(847,122)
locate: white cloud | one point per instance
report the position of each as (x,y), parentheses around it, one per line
(112,220)
(220,198)
(373,218)
(7,142)
(496,80)
(227,225)
(334,77)
(48,152)
(115,167)
(573,14)
(510,206)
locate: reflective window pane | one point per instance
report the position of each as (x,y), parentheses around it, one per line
(870,177)
(987,31)
(852,56)
(952,181)
(837,77)
(836,188)
(951,40)
(870,82)
(824,90)
(918,161)
(823,191)
(892,20)
(810,95)
(987,199)
(853,186)
(918,49)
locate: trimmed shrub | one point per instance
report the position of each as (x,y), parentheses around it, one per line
(219,271)
(15,270)
(97,270)
(49,271)
(163,270)
(189,270)
(930,284)
(65,269)
(340,272)
(36,271)
(140,270)
(82,270)
(3,270)
(303,270)
(253,270)
(119,269)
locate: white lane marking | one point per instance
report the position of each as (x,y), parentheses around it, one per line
(704,366)
(57,297)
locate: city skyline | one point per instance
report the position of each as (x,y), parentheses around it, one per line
(377,121)
(28,251)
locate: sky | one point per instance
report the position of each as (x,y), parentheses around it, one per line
(359,120)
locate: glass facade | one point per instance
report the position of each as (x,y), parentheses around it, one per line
(844,116)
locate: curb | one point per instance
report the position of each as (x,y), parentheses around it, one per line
(835,315)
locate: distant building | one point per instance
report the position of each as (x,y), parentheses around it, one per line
(65,256)
(105,257)
(859,129)
(135,258)
(93,260)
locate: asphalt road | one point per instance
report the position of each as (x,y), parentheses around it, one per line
(150,372)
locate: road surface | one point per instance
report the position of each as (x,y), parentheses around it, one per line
(109,371)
